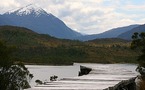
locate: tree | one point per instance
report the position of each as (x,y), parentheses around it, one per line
(139,43)
(13,74)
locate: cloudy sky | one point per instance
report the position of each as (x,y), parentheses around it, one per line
(88,16)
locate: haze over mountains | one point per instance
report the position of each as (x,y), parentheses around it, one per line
(38,20)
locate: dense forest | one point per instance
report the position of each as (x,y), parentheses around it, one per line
(34,48)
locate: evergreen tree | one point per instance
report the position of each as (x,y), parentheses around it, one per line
(13,75)
(139,43)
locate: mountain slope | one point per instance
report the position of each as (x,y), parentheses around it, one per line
(113,33)
(42,49)
(23,37)
(128,35)
(109,41)
(117,31)
(38,20)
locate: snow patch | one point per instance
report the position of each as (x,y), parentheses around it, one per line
(27,10)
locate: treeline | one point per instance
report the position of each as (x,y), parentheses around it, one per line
(33,48)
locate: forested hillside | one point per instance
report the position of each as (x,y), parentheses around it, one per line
(34,48)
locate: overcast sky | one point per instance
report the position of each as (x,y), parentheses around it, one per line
(88,16)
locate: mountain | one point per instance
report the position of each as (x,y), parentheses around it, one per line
(34,48)
(23,37)
(38,20)
(113,33)
(116,31)
(109,41)
(3,20)
(127,35)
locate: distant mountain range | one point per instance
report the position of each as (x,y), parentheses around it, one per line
(127,35)
(38,20)
(113,33)
(121,32)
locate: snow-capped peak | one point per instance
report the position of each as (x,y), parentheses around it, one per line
(29,9)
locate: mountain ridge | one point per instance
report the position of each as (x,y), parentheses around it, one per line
(28,10)
(127,35)
(39,21)
(113,33)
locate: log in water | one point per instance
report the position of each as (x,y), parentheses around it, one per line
(100,77)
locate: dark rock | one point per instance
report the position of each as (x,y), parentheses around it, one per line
(84,70)
(124,85)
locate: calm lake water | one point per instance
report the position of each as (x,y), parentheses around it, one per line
(102,75)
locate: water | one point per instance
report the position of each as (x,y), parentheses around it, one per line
(101,77)
(43,73)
